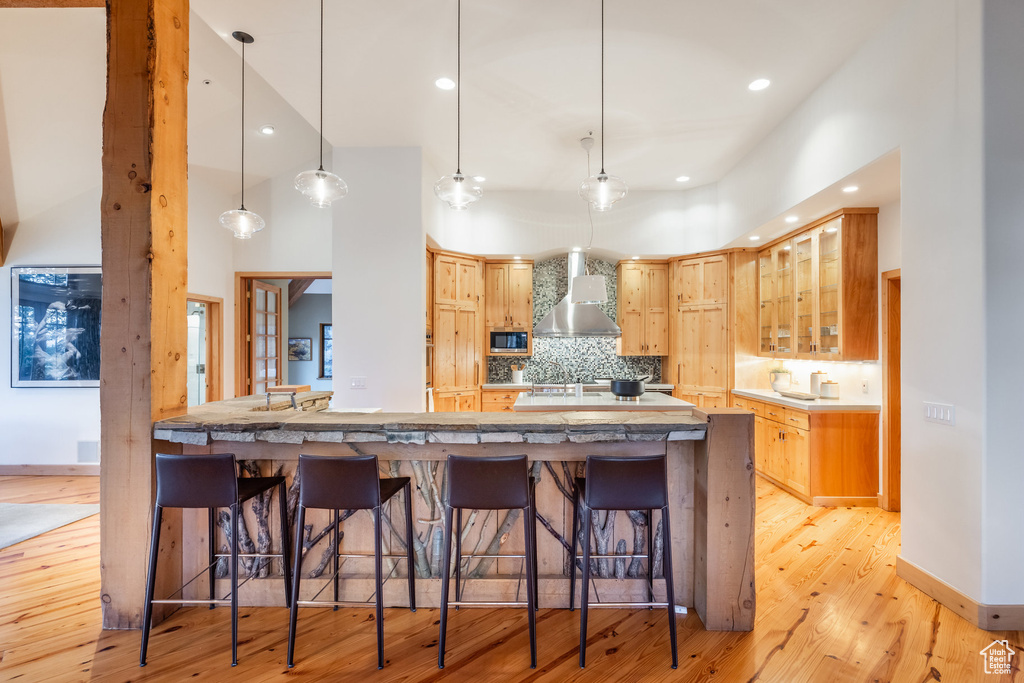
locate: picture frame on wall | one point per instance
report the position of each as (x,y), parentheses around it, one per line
(300,348)
(326,351)
(55,326)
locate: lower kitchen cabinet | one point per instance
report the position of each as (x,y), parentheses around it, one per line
(498,400)
(702,399)
(822,457)
(456,401)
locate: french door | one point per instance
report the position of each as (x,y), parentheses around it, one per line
(265,320)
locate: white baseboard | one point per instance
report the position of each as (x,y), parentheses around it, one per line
(47,470)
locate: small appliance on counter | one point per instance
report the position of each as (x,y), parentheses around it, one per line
(829,390)
(816,379)
(510,341)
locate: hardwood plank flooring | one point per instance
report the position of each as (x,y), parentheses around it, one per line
(830,608)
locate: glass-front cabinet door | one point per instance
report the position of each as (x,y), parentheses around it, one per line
(784,300)
(804,275)
(766,289)
(829,285)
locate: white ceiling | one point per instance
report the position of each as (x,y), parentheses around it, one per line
(676,95)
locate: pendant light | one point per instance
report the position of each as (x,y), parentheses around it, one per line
(587,288)
(602,190)
(321,187)
(239,221)
(456,189)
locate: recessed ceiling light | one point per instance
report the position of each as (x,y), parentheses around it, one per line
(682,179)
(518,258)
(850,188)
(267,129)
(792,219)
(754,238)
(445,83)
(636,258)
(479,178)
(759,84)
(576,249)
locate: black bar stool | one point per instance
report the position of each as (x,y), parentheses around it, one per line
(209,481)
(488,483)
(348,483)
(623,483)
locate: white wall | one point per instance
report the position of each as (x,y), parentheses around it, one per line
(916,86)
(44,426)
(1003,473)
(304,319)
(530,223)
(379,279)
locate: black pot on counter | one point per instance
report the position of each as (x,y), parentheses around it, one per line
(630,388)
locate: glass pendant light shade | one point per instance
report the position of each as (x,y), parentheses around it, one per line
(320,187)
(603,190)
(589,289)
(242,223)
(457,190)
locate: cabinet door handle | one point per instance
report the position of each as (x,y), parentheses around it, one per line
(793,419)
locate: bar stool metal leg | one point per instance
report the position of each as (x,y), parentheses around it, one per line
(669,587)
(446,567)
(529,536)
(408,547)
(282,499)
(575,543)
(296,578)
(154,551)
(650,557)
(234,584)
(335,534)
(379,581)
(213,557)
(457,532)
(585,589)
(533,527)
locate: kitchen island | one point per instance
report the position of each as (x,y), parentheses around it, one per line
(598,400)
(710,485)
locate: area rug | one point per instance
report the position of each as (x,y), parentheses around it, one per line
(22,521)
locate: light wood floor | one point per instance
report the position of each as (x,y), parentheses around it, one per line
(830,608)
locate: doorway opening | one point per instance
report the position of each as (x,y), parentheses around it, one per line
(205,348)
(278,326)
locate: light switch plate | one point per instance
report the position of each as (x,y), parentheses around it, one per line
(358,383)
(941,413)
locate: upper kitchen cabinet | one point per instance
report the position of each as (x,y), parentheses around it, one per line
(701,280)
(642,305)
(457,280)
(819,289)
(508,294)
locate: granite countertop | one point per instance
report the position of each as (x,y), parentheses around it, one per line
(598,400)
(819,404)
(240,419)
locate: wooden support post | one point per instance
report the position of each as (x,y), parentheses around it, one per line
(144,213)
(724,521)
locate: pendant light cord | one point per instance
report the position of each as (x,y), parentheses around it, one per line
(322,85)
(243,126)
(458,92)
(602,87)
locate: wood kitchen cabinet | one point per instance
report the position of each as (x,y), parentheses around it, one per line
(458,332)
(700,359)
(818,290)
(642,308)
(822,457)
(498,400)
(508,299)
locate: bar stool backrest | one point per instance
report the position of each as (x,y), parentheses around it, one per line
(339,483)
(196,481)
(488,483)
(626,483)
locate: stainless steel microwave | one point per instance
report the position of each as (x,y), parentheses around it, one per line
(510,341)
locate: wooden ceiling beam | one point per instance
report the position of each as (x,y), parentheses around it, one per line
(59,4)
(296,288)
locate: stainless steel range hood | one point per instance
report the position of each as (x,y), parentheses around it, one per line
(576,320)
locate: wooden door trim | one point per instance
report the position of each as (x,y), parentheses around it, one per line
(889,497)
(214,344)
(242,280)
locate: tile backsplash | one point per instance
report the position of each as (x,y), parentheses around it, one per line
(585,358)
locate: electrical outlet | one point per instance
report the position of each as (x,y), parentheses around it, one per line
(358,383)
(864,386)
(941,413)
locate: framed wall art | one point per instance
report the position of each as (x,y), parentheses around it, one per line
(55,326)
(300,348)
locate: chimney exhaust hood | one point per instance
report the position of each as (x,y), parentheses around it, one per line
(576,320)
